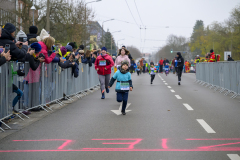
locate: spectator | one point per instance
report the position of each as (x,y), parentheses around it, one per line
(74,46)
(69,50)
(32,33)
(87,59)
(230,58)
(212,56)
(7,37)
(46,45)
(4,57)
(94,56)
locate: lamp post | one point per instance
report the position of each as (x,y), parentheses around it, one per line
(33,9)
(120,40)
(102,28)
(86,13)
(111,38)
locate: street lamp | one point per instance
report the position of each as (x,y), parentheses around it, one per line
(120,40)
(102,27)
(33,9)
(86,11)
(111,38)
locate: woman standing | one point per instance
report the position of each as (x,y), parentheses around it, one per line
(103,65)
(122,56)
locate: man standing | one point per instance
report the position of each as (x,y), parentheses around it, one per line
(161,65)
(230,58)
(180,64)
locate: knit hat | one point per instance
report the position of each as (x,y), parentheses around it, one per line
(124,62)
(81,47)
(104,48)
(63,50)
(211,50)
(43,35)
(36,46)
(73,44)
(33,30)
(20,34)
(10,27)
(69,48)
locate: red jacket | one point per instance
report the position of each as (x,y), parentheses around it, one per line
(102,70)
(212,57)
(161,62)
(45,52)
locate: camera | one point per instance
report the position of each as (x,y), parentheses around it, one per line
(23,39)
(7,48)
(41,55)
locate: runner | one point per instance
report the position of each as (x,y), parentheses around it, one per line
(103,65)
(180,63)
(124,84)
(152,73)
(122,56)
(166,69)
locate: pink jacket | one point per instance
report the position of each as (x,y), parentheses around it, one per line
(120,58)
(45,52)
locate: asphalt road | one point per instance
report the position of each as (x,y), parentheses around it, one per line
(166,122)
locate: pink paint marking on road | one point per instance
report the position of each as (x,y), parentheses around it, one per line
(215,139)
(131,144)
(164,143)
(66,143)
(219,145)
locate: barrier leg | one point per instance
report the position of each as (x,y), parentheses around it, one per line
(19,117)
(5,124)
(25,115)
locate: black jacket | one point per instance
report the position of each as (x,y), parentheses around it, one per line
(230,59)
(15,52)
(180,62)
(29,36)
(33,63)
(2,60)
(66,64)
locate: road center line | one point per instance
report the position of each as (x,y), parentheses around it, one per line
(178,97)
(234,156)
(205,126)
(164,81)
(188,106)
(166,84)
(172,91)
(169,86)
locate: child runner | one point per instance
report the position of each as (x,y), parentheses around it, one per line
(138,70)
(152,73)
(166,69)
(103,65)
(122,56)
(124,84)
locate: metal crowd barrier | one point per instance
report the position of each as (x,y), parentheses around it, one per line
(222,76)
(47,84)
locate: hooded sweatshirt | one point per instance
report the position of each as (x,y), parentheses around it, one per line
(120,59)
(20,34)
(180,60)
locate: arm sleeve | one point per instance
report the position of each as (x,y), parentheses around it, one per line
(112,81)
(33,63)
(50,58)
(56,59)
(2,60)
(19,53)
(84,60)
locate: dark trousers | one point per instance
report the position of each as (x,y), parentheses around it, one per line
(122,97)
(138,73)
(144,68)
(179,73)
(161,68)
(152,77)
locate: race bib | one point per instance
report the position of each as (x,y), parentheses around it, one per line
(102,63)
(124,86)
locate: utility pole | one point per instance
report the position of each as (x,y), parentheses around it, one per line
(48,16)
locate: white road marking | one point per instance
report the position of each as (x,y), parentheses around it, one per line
(164,81)
(169,86)
(188,107)
(205,126)
(119,112)
(172,90)
(234,156)
(178,97)
(166,84)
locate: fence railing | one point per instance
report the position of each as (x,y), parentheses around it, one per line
(222,76)
(49,83)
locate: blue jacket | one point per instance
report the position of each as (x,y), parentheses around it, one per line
(120,77)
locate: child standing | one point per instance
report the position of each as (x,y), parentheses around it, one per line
(124,84)
(152,73)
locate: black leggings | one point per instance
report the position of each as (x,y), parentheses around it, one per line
(179,73)
(152,77)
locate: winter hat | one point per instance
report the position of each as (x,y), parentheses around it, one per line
(124,62)
(20,34)
(81,51)
(10,27)
(63,50)
(197,55)
(43,35)
(81,47)
(33,30)
(178,53)
(104,48)
(36,46)
(73,44)
(69,48)
(211,51)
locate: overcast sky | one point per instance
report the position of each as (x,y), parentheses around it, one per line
(179,15)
